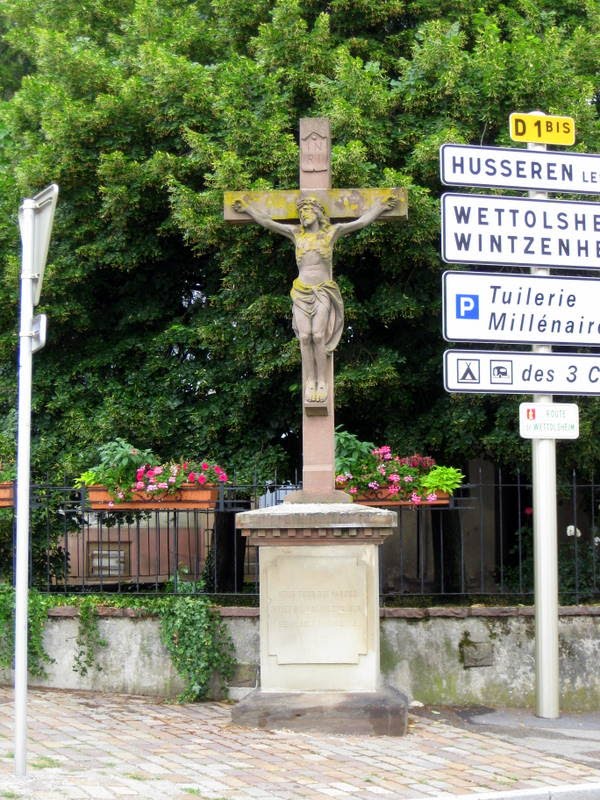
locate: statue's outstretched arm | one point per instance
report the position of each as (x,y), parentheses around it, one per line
(370,215)
(263,219)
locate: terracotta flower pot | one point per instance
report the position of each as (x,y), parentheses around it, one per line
(189,495)
(6,494)
(383,498)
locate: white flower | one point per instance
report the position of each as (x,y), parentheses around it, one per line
(573,531)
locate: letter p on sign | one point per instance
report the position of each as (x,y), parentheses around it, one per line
(467,306)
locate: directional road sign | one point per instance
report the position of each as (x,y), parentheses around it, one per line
(530,309)
(515,168)
(510,372)
(541,128)
(520,231)
(549,420)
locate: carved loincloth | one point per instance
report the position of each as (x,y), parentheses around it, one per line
(305,299)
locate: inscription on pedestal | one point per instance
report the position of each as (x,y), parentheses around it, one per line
(317,609)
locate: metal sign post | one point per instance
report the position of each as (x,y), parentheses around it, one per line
(538,233)
(545,546)
(35,222)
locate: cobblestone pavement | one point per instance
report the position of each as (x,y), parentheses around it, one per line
(86,745)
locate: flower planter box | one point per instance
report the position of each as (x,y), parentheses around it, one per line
(6,494)
(192,496)
(382,498)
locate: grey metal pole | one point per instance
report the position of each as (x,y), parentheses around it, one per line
(23,471)
(545,555)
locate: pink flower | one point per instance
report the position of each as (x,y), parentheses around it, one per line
(341,478)
(431,498)
(158,470)
(140,473)
(373,485)
(414,498)
(205,465)
(408,479)
(140,485)
(384,452)
(202,478)
(222,477)
(352,490)
(191,477)
(172,479)
(394,477)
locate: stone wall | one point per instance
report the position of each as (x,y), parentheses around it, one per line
(486,656)
(444,656)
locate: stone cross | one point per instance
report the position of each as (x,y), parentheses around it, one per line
(317,309)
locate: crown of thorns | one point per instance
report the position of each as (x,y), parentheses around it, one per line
(312,202)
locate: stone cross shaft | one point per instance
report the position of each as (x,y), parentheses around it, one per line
(314,217)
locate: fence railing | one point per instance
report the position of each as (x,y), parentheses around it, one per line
(479,547)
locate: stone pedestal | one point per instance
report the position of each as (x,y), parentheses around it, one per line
(319,618)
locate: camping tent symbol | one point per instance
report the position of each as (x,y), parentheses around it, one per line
(467,370)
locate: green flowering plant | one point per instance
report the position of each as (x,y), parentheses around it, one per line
(382,474)
(8,472)
(125,470)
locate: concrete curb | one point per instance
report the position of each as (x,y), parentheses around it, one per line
(579,791)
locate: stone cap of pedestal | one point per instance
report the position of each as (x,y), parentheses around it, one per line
(316,523)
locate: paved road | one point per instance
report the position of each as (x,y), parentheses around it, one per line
(85,745)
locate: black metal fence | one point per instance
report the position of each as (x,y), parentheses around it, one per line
(479,547)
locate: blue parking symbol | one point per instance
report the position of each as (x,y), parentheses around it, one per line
(467,306)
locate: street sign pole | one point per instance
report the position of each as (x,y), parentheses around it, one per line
(35,221)
(545,551)
(27,223)
(538,233)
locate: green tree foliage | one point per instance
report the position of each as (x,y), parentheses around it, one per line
(172,329)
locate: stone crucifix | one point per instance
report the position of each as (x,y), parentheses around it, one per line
(304,216)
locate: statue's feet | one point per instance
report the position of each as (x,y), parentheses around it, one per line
(315,392)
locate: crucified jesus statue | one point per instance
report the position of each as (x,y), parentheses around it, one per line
(317,305)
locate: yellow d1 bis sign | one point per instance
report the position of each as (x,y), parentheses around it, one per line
(542,128)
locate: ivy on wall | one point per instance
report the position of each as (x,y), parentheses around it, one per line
(192,630)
